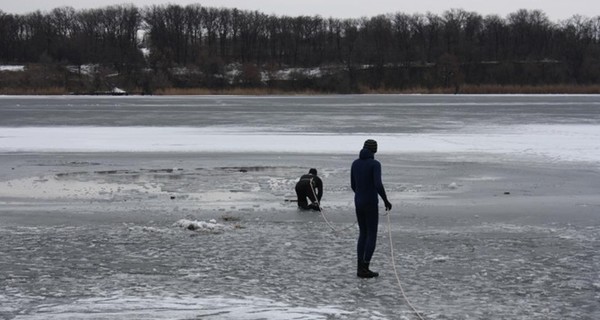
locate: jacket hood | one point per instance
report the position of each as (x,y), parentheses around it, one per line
(366,154)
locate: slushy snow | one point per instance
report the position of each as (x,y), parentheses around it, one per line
(202,226)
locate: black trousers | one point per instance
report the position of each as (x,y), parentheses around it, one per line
(304,190)
(368,222)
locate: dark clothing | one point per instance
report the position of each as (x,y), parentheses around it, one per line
(368,222)
(311,187)
(365,180)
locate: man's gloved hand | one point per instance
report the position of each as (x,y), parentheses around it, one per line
(388,206)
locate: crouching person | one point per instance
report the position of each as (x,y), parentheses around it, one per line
(309,188)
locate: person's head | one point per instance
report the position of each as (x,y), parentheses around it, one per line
(313,171)
(371,145)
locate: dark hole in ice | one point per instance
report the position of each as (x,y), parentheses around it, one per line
(250,169)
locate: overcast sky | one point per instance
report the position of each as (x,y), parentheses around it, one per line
(555,9)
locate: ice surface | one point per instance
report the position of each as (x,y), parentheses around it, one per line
(495,207)
(549,142)
(60,186)
(549,128)
(202,226)
(160,307)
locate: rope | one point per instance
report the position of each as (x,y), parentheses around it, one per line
(331,226)
(391,249)
(396,271)
(323,215)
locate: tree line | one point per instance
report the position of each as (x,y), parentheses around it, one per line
(151,46)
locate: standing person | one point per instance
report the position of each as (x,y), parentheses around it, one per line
(310,186)
(365,180)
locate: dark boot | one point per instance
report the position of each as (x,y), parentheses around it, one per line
(364,272)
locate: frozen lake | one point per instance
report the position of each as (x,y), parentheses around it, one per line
(496,208)
(553,127)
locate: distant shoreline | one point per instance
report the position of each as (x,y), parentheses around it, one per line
(263,91)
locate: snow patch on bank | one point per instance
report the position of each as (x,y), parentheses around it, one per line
(11,68)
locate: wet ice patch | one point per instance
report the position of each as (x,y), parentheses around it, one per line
(49,187)
(570,234)
(4,307)
(202,226)
(145,229)
(278,184)
(481,178)
(180,308)
(215,196)
(440,259)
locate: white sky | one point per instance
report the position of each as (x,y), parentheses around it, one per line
(555,9)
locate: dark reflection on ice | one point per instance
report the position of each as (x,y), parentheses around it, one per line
(253,169)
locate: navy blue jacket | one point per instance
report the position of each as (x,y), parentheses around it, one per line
(365,180)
